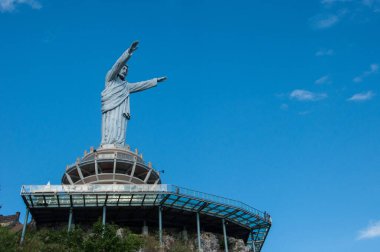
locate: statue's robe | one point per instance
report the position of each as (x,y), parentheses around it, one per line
(116,110)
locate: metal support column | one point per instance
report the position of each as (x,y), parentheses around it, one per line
(225,236)
(145,230)
(160,224)
(104,216)
(199,233)
(25,224)
(253,243)
(185,236)
(70,220)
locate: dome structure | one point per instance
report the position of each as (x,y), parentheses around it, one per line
(111,165)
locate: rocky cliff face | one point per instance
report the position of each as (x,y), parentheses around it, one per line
(210,243)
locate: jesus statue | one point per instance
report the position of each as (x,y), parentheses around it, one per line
(115,99)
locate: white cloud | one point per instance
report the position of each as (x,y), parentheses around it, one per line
(11,5)
(305,95)
(364,96)
(357,79)
(334,1)
(323,80)
(335,11)
(372,231)
(303,113)
(373,69)
(324,52)
(368,3)
(324,21)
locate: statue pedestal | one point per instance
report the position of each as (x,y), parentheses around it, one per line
(113,146)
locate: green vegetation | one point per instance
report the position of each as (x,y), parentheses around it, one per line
(8,240)
(97,239)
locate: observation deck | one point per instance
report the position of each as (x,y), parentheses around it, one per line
(154,205)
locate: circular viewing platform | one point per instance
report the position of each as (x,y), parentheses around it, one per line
(111,165)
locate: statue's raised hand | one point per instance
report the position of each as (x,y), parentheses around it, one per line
(133,47)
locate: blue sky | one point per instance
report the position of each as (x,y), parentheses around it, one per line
(274,103)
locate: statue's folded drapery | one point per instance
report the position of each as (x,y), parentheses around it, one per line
(113,95)
(115,108)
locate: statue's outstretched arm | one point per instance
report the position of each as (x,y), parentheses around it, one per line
(114,71)
(143,85)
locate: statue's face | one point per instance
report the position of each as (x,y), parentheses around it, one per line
(123,72)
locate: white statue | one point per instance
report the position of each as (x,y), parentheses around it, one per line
(115,99)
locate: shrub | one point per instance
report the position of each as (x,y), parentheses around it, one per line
(8,240)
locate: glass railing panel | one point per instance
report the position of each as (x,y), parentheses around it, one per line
(222,213)
(90,200)
(124,200)
(101,199)
(77,200)
(192,204)
(112,200)
(149,199)
(64,200)
(180,202)
(137,200)
(169,201)
(51,200)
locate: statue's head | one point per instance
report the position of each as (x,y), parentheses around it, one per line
(123,72)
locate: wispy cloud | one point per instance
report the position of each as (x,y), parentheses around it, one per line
(354,3)
(360,97)
(11,5)
(324,52)
(323,21)
(373,69)
(372,231)
(327,2)
(305,95)
(335,11)
(304,113)
(323,80)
